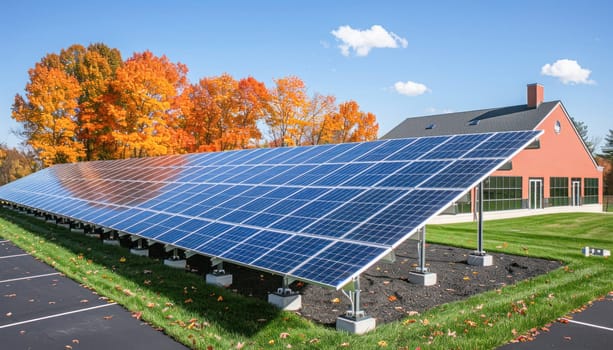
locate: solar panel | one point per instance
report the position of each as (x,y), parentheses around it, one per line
(320,214)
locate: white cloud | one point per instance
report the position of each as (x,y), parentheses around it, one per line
(362,41)
(568,71)
(410,88)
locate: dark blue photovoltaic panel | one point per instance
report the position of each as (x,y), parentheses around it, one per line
(403,216)
(331,152)
(384,151)
(500,145)
(462,173)
(341,195)
(413,174)
(320,214)
(333,265)
(374,174)
(295,250)
(341,175)
(355,152)
(315,174)
(456,146)
(418,148)
(292,223)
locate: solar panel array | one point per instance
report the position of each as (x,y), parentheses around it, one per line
(321,214)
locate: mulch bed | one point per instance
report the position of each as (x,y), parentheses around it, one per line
(386,293)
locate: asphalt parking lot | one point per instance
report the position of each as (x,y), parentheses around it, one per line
(591,329)
(41,309)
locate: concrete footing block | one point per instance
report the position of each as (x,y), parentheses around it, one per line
(480,260)
(177,264)
(141,252)
(422,278)
(77,230)
(353,326)
(288,302)
(111,242)
(224,280)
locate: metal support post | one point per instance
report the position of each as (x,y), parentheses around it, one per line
(355,312)
(421,250)
(480,227)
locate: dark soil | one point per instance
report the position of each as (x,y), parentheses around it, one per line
(386,293)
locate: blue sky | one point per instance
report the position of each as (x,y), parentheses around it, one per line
(448,55)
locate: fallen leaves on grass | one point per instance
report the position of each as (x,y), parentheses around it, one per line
(382,343)
(283,335)
(122,259)
(137,315)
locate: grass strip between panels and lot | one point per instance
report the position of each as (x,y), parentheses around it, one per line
(207,317)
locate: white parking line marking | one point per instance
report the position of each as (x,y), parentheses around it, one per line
(56,315)
(30,277)
(12,256)
(591,325)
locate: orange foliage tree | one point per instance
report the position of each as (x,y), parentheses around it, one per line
(285,118)
(86,103)
(144,106)
(350,124)
(48,114)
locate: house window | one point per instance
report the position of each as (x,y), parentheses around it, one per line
(590,191)
(502,193)
(558,191)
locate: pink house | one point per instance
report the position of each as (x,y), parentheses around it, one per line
(557,170)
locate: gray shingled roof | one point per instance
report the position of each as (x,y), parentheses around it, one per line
(485,120)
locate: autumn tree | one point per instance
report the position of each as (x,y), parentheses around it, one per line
(143,105)
(285,117)
(350,124)
(317,112)
(95,72)
(48,113)
(15,164)
(253,98)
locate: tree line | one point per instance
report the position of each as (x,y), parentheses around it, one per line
(87,103)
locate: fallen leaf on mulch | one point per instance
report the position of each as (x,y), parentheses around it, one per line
(567,338)
(335,301)
(392,298)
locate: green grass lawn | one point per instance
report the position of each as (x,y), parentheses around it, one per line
(202,316)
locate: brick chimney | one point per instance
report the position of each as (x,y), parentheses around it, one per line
(535,95)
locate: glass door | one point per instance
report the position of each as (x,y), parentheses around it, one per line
(576,199)
(535,197)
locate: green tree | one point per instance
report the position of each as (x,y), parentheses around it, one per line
(607,149)
(582,129)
